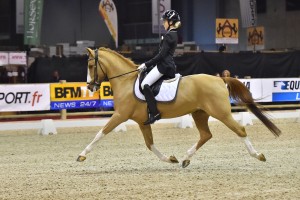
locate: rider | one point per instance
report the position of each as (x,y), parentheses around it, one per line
(163,62)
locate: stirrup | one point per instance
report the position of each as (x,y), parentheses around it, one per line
(152,119)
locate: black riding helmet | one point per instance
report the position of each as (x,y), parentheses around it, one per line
(171,16)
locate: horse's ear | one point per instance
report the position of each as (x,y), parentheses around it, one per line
(90,51)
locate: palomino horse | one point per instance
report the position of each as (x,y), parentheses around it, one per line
(201,95)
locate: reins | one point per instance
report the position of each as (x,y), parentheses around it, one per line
(123,74)
(96,74)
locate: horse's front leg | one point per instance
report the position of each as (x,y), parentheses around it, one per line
(114,121)
(147,133)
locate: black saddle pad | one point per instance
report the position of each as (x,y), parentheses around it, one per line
(156,86)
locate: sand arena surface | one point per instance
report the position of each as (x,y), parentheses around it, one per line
(121,167)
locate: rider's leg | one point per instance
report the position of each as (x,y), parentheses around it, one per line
(151,78)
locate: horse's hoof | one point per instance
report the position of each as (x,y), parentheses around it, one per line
(81,158)
(185,163)
(261,157)
(173,159)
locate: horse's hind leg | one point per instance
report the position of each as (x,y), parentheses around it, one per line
(201,120)
(240,131)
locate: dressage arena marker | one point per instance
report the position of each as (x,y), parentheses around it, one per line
(245,119)
(185,122)
(71,123)
(48,127)
(122,127)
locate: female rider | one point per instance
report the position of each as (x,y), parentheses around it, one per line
(163,62)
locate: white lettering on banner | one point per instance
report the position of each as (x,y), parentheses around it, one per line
(64,105)
(298,96)
(27,97)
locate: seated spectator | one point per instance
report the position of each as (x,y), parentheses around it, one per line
(55,76)
(226,73)
(3,75)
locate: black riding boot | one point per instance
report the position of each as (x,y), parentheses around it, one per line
(153,112)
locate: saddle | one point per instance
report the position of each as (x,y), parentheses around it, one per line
(164,89)
(156,86)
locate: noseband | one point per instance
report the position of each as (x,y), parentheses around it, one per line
(95,84)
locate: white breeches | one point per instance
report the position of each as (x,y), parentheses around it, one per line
(151,77)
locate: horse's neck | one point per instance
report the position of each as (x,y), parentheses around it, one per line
(117,69)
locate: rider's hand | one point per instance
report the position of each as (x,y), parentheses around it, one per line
(142,67)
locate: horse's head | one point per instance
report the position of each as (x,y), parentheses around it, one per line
(96,73)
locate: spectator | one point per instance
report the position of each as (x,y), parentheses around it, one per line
(3,75)
(56,76)
(226,73)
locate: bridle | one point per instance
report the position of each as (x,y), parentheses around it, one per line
(95,84)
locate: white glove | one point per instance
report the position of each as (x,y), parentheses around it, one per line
(142,67)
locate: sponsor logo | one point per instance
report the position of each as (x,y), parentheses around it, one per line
(287,85)
(21,98)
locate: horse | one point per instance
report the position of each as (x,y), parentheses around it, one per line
(200,95)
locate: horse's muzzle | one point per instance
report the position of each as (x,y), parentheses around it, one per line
(93,87)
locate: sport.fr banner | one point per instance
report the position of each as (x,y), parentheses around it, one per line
(29,97)
(77,96)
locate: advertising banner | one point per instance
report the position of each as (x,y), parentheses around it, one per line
(227,31)
(256,38)
(3,58)
(17,58)
(77,96)
(33,11)
(248,13)
(108,12)
(285,89)
(29,97)
(158,8)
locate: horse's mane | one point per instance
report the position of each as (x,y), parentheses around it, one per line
(129,61)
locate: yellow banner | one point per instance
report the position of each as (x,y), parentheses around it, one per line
(227,31)
(255,36)
(106,91)
(78,91)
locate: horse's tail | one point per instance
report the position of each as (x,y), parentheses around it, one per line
(242,96)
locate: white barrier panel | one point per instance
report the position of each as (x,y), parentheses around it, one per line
(48,127)
(25,97)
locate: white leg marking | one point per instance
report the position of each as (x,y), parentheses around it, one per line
(249,146)
(89,147)
(158,154)
(190,152)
